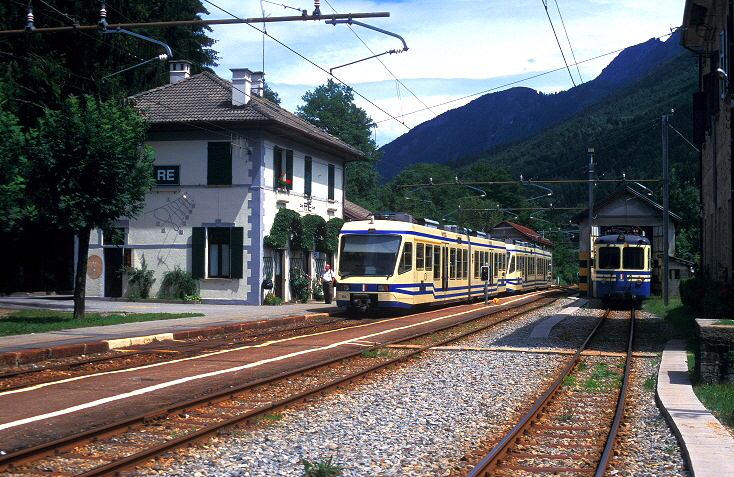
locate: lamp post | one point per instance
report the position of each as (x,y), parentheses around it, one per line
(666,238)
(590,292)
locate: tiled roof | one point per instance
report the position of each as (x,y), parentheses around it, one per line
(207,98)
(627,190)
(530,233)
(354,212)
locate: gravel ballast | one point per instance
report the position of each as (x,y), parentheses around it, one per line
(425,417)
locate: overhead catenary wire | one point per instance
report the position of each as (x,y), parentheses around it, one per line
(397,81)
(314,64)
(563,55)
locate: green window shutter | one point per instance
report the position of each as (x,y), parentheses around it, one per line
(331,181)
(308,175)
(219,164)
(237,241)
(277,165)
(289,168)
(198,243)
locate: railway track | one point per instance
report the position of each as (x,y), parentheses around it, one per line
(571,429)
(157,352)
(132,442)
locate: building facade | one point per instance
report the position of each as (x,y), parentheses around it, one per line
(707,32)
(226,160)
(629,207)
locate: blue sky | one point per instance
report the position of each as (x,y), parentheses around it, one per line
(457,49)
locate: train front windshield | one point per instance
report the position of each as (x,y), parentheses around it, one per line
(632,258)
(368,255)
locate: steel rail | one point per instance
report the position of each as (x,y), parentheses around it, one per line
(612,437)
(490,461)
(26,456)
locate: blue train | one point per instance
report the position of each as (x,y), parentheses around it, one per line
(622,260)
(397,264)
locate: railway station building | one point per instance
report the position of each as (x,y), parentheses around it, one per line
(707,31)
(630,207)
(226,161)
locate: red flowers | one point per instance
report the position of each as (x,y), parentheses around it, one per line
(283,182)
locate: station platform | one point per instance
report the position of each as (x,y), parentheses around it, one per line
(707,446)
(216,319)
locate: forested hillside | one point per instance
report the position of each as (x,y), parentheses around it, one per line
(625,131)
(499,118)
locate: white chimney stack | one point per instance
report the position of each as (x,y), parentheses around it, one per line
(258,83)
(241,86)
(178,70)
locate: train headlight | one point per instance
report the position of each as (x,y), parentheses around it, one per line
(344,287)
(603,281)
(639,282)
(382,288)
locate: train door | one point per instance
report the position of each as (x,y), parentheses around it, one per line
(444,269)
(437,275)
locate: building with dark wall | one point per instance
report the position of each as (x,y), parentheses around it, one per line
(629,207)
(707,32)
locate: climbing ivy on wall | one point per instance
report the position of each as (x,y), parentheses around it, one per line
(314,233)
(285,221)
(308,233)
(333,226)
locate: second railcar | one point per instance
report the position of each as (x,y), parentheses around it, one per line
(528,267)
(622,265)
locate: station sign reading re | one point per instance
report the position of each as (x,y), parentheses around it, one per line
(167,175)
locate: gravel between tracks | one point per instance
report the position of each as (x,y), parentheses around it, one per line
(423,419)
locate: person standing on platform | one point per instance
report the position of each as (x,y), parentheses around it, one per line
(327,281)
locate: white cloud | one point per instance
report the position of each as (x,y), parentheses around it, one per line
(456,48)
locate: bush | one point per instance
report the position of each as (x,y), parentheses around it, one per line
(318,289)
(141,280)
(300,285)
(178,284)
(272,300)
(711,298)
(691,291)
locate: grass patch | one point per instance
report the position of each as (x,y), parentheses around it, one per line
(719,398)
(40,321)
(320,468)
(724,322)
(374,353)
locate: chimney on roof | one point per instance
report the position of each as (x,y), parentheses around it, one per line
(241,86)
(178,70)
(245,83)
(258,83)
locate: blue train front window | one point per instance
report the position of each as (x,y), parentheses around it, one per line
(608,258)
(633,258)
(368,255)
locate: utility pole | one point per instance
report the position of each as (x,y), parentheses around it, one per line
(666,238)
(590,291)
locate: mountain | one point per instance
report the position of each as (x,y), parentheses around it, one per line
(506,116)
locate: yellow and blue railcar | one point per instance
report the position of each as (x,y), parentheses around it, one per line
(528,267)
(394,264)
(622,265)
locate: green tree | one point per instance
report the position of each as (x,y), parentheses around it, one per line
(331,107)
(88,167)
(13,162)
(271,95)
(43,69)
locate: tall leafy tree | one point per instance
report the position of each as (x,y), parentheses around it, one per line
(43,69)
(331,107)
(88,167)
(13,201)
